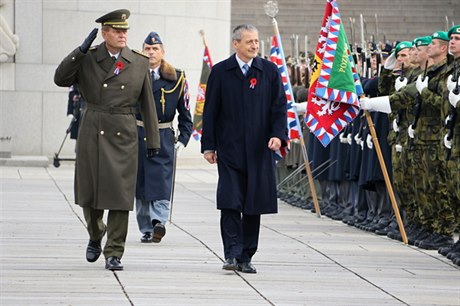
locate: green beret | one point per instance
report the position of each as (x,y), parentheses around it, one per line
(402,45)
(454,30)
(440,35)
(422,41)
(115,19)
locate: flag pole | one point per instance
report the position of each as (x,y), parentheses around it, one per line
(386,177)
(203,38)
(271,9)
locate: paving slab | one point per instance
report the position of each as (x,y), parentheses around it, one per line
(302,259)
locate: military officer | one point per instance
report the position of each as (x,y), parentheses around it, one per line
(153,188)
(112,78)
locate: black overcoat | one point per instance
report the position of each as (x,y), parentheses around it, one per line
(241,114)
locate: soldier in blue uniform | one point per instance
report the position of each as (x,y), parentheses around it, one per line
(154,176)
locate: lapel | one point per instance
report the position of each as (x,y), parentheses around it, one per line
(232,64)
(108,65)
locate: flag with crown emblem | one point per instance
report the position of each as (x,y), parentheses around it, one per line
(200,99)
(335,85)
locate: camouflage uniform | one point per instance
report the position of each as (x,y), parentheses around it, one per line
(434,207)
(453,164)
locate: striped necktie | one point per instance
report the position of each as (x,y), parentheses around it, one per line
(245,69)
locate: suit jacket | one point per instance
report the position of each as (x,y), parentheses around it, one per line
(106,163)
(240,115)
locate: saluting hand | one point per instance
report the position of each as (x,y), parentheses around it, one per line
(88,41)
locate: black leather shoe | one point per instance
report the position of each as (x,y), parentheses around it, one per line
(113,263)
(230,264)
(146,238)
(159,231)
(93,250)
(246,267)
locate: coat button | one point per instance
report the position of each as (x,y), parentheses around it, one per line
(73,58)
(102,132)
(145,139)
(105,85)
(118,133)
(122,86)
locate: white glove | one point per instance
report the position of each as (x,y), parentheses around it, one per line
(70,116)
(400,83)
(454,98)
(357,139)
(450,84)
(390,62)
(378,104)
(447,143)
(361,143)
(179,146)
(395,126)
(365,103)
(301,108)
(421,84)
(369,142)
(398,148)
(411,131)
(349,139)
(342,138)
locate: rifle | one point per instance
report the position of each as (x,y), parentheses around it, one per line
(417,110)
(452,117)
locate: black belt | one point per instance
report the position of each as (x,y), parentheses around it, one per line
(111,109)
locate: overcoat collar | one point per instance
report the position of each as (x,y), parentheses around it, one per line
(231,64)
(106,62)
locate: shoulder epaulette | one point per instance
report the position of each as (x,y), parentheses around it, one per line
(140,53)
(93,48)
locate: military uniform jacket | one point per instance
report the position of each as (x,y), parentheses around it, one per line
(240,116)
(105,174)
(154,176)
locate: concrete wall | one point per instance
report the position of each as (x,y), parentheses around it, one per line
(33,109)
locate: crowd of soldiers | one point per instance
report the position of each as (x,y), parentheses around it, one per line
(419,141)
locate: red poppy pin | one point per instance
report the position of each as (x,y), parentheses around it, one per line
(253,83)
(119,66)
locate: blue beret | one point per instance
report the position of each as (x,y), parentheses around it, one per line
(153,39)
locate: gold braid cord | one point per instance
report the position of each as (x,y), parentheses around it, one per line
(163,91)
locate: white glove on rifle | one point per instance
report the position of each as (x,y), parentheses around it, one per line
(421,84)
(395,126)
(400,83)
(301,108)
(342,138)
(411,131)
(349,139)
(377,104)
(398,148)
(357,139)
(454,98)
(179,146)
(447,143)
(369,142)
(390,62)
(450,84)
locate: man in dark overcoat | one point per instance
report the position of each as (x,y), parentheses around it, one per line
(244,121)
(112,78)
(154,176)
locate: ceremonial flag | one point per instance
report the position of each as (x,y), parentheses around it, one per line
(293,124)
(200,98)
(335,86)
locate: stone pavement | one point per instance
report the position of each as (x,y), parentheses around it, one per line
(302,259)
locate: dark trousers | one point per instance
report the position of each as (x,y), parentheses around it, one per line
(117,229)
(240,234)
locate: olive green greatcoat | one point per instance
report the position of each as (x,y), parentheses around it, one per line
(106,166)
